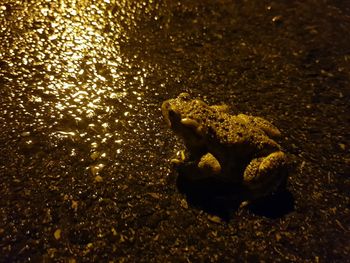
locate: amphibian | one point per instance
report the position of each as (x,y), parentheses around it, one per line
(237,149)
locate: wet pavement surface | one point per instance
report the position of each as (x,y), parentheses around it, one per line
(84,151)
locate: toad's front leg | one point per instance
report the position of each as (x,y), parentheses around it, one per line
(209,164)
(197,169)
(265,175)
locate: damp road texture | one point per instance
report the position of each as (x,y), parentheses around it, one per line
(84,170)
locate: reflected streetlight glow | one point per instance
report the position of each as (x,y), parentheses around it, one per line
(70,76)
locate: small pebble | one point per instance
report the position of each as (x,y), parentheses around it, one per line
(277,20)
(94,155)
(25,134)
(98,179)
(342,146)
(278,237)
(95,169)
(214,219)
(57,234)
(74,205)
(184,204)
(154,195)
(114,232)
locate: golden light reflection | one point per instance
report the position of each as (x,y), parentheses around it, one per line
(70,76)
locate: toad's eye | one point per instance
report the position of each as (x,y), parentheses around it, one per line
(190,123)
(199,129)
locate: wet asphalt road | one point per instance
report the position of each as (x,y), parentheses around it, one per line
(84,170)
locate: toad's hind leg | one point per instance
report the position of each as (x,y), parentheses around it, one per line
(265,175)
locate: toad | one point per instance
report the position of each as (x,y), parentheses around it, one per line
(237,149)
